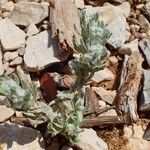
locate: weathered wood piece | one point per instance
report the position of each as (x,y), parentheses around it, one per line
(101,121)
(128,91)
(91,102)
(64,18)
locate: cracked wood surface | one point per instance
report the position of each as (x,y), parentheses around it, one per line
(64,18)
(128,91)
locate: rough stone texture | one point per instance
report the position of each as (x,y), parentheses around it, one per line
(88,140)
(10,35)
(17,61)
(103,75)
(2,2)
(147,10)
(144,44)
(26,13)
(144,22)
(41,51)
(106,95)
(115,17)
(17,137)
(5,113)
(23,74)
(9,6)
(145,97)
(1,64)
(32,30)
(129,48)
(111,112)
(79,3)
(135,138)
(8,56)
(146,135)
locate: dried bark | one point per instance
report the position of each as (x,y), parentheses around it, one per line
(64,18)
(91,102)
(101,121)
(129,88)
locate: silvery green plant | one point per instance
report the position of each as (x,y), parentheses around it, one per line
(63,115)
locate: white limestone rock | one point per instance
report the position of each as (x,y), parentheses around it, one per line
(10,35)
(26,13)
(5,113)
(41,51)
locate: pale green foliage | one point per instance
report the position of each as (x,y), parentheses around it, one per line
(65,114)
(91,48)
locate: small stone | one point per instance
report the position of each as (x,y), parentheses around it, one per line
(111,112)
(145,96)
(10,35)
(106,95)
(79,3)
(103,75)
(144,22)
(23,74)
(147,10)
(1,65)
(17,61)
(129,48)
(32,30)
(26,13)
(40,53)
(139,6)
(102,104)
(21,51)
(6,66)
(9,6)
(2,2)
(88,140)
(6,14)
(17,137)
(68,80)
(144,45)
(128,131)
(9,71)
(8,56)
(5,113)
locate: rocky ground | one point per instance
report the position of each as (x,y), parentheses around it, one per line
(30,51)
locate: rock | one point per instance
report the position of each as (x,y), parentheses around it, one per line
(6,66)
(2,2)
(144,22)
(17,61)
(102,104)
(5,113)
(1,65)
(144,100)
(16,38)
(103,75)
(146,135)
(21,51)
(79,3)
(8,56)
(118,1)
(115,17)
(135,138)
(32,30)
(16,137)
(144,45)
(129,48)
(41,53)
(9,71)
(88,140)
(127,131)
(48,87)
(147,10)
(26,13)
(111,112)
(66,148)
(9,6)
(106,95)
(23,74)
